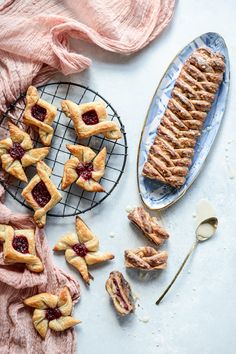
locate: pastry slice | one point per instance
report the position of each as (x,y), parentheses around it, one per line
(148,225)
(17,152)
(19,247)
(120,292)
(85,168)
(41,194)
(146,258)
(91,119)
(82,249)
(52,311)
(40,115)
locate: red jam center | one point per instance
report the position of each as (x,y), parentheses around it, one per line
(85,170)
(20,244)
(40,194)
(118,293)
(80,249)
(38,112)
(16,151)
(90,117)
(53,314)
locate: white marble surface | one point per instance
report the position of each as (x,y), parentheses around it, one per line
(198,315)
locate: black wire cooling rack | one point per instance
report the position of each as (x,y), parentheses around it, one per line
(75,200)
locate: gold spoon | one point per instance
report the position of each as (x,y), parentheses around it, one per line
(204,231)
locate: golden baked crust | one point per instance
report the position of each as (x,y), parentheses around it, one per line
(148,225)
(42,176)
(47,307)
(12,255)
(93,165)
(120,292)
(21,142)
(81,249)
(195,89)
(98,124)
(42,126)
(146,258)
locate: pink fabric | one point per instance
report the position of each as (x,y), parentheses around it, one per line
(17,334)
(35,34)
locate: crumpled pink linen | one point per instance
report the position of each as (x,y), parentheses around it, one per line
(17,334)
(35,36)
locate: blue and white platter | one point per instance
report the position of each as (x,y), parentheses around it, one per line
(156,195)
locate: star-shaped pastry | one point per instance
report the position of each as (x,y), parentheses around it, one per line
(41,194)
(18,152)
(91,119)
(85,168)
(81,249)
(52,311)
(40,115)
(19,247)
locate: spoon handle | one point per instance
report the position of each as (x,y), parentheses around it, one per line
(178,272)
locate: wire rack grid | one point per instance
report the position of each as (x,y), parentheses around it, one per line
(75,200)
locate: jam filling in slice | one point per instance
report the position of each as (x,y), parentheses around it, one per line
(38,112)
(53,314)
(80,249)
(20,244)
(119,295)
(90,117)
(84,170)
(16,151)
(40,194)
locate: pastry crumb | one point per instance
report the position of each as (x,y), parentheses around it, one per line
(128,208)
(112,235)
(145,319)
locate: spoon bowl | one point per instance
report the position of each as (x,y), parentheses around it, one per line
(206,229)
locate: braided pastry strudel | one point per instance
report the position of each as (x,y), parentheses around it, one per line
(120,292)
(19,247)
(148,225)
(195,89)
(91,119)
(52,311)
(146,258)
(40,115)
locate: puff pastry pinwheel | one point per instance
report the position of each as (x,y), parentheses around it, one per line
(194,91)
(91,119)
(52,311)
(41,194)
(120,292)
(146,258)
(81,249)
(85,168)
(17,152)
(148,225)
(40,115)
(19,247)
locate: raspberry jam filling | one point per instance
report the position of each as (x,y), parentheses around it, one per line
(119,295)
(40,194)
(53,314)
(80,249)
(85,170)
(90,117)
(38,112)
(16,151)
(20,244)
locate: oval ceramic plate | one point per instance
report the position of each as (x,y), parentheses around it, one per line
(154,194)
